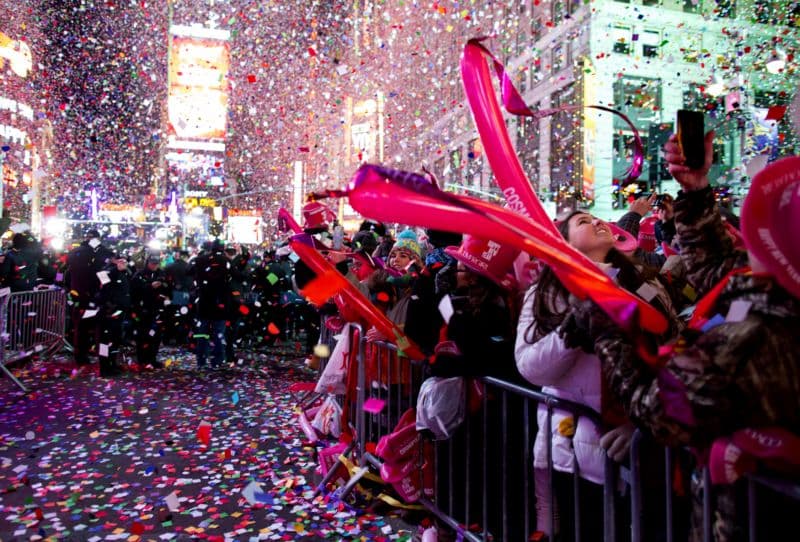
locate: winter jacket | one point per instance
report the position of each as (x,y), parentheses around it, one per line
(211,272)
(630,222)
(83,263)
(147,299)
(568,373)
(736,375)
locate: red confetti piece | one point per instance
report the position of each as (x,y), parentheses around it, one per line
(776,112)
(251,78)
(204,433)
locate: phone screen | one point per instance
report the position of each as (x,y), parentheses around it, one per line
(691,133)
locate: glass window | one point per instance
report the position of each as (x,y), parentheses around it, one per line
(528,147)
(559,9)
(456,173)
(474,163)
(692,6)
(621,34)
(639,98)
(725,9)
(651,42)
(537,28)
(559,58)
(565,130)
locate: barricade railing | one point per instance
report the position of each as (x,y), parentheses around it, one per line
(33,323)
(485,481)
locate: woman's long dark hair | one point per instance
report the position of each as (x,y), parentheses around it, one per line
(551,302)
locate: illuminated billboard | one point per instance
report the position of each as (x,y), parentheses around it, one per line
(245,226)
(198,89)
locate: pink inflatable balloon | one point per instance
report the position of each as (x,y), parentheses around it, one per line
(493,133)
(286,222)
(396,196)
(496,142)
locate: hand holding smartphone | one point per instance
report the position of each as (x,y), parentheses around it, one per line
(691,133)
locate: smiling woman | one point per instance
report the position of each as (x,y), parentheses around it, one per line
(544,359)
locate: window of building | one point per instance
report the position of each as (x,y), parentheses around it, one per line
(456,172)
(537,28)
(725,9)
(692,6)
(693,47)
(565,136)
(639,98)
(651,2)
(559,10)
(651,43)
(522,81)
(559,58)
(621,34)
(528,147)
(777,12)
(474,163)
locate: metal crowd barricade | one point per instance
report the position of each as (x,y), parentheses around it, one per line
(485,483)
(485,475)
(33,323)
(383,376)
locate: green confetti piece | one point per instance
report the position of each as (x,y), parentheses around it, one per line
(272,278)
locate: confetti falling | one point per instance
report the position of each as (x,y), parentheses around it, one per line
(301,72)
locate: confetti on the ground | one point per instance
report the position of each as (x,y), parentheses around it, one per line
(89,458)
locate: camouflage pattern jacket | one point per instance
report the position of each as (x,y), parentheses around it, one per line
(735,375)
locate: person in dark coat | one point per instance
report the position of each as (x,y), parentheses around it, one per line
(149,291)
(114,301)
(83,264)
(211,272)
(239,284)
(180,282)
(20,269)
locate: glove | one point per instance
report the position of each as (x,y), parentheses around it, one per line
(584,324)
(445,280)
(617,442)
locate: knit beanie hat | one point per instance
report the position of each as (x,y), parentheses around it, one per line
(407,240)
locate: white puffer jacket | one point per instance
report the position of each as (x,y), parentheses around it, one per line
(568,373)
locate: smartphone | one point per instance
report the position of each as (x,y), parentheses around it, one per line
(691,133)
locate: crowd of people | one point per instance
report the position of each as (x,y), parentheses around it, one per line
(727,361)
(124,304)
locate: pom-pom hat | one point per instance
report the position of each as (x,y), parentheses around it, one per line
(407,240)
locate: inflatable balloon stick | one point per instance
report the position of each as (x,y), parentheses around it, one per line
(398,196)
(303,245)
(286,222)
(494,136)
